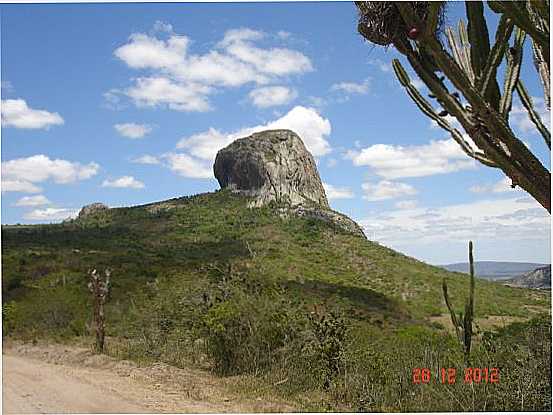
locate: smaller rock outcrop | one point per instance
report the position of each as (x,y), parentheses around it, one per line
(540,278)
(88,210)
(271,165)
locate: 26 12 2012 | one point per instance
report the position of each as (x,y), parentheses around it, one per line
(449,375)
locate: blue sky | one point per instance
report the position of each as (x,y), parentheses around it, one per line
(128,103)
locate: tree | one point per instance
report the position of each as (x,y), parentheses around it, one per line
(463,78)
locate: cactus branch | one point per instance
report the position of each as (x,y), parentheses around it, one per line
(502,35)
(518,12)
(534,116)
(512,73)
(463,323)
(429,111)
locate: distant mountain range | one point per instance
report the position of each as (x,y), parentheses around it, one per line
(496,270)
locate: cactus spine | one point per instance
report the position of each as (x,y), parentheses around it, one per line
(463,323)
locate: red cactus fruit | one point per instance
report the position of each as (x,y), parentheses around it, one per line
(413,33)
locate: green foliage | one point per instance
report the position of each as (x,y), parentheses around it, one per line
(327,347)
(206,281)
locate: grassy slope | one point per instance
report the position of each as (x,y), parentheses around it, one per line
(165,257)
(187,236)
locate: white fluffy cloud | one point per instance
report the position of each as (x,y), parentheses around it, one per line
(125,182)
(406,204)
(38,200)
(396,161)
(22,174)
(502,186)
(51,214)
(271,96)
(156,91)
(187,166)
(11,185)
(182,80)
(146,159)
(334,192)
(133,130)
(386,189)
(493,220)
(16,113)
(202,148)
(359,88)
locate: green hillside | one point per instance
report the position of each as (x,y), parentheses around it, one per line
(255,293)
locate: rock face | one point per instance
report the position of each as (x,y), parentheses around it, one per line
(270,166)
(92,208)
(540,278)
(274,166)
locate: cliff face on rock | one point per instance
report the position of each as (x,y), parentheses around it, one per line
(271,166)
(540,278)
(274,166)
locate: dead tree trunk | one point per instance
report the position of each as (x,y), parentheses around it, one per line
(99,287)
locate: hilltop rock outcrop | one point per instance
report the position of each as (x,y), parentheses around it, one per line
(274,166)
(91,209)
(270,166)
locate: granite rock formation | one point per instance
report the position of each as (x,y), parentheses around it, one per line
(275,167)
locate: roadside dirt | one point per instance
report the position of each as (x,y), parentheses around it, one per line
(61,379)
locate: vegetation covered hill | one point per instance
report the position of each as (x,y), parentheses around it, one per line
(295,306)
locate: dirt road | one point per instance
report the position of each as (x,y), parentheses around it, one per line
(39,380)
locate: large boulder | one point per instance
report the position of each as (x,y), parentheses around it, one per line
(274,166)
(270,166)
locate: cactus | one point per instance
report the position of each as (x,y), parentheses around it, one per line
(99,288)
(471,65)
(463,323)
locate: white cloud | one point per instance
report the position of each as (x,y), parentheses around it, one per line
(360,88)
(183,81)
(333,192)
(38,200)
(406,204)
(271,96)
(160,26)
(16,113)
(132,130)
(125,182)
(146,159)
(274,61)
(51,214)
(19,186)
(381,65)
(503,220)
(144,51)
(393,162)
(187,166)
(203,147)
(22,174)
(502,186)
(156,91)
(282,34)
(386,189)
